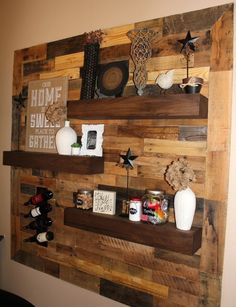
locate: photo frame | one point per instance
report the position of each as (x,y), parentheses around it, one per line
(104,202)
(92,139)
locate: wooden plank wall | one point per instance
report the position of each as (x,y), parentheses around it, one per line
(135,274)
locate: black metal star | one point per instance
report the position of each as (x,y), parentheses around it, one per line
(20,101)
(188,42)
(128,159)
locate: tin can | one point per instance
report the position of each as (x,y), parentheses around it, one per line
(154,207)
(135,209)
(84,199)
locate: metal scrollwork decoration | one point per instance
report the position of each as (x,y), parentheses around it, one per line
(141,51)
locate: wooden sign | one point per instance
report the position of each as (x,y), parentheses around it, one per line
(46,113)
(104,202)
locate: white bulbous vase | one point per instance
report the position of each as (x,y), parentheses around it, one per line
(65,137)
(184,206)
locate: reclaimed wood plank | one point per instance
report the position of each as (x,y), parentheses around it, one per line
(184,22)
(34,53)
(69,61)
(17,73)
(65,46)
(170,133)
(79,278)
(124,294)
(175,147)
(222,42)
(114,53)
(192,133)
(116,36)
(71,73)
(37,67)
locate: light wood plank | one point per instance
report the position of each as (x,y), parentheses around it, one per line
(175,147)
(69,61)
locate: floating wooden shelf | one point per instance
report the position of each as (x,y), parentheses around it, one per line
(54,162)
(164,236)
(140,107)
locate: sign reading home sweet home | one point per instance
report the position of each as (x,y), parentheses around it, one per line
(46,113)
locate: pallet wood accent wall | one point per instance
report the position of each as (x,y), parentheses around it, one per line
(135,274)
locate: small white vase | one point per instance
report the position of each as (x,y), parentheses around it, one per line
(65,137)
(184,206)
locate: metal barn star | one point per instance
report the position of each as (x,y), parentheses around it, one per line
(188,42)
(20,101)
(128,159)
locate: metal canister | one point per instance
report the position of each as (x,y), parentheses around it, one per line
(154,207)
(135,209)
(84,199)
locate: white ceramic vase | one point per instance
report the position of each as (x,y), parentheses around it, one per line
(65,137)
(184,206)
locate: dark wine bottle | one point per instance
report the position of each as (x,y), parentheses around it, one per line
(41,238)
(40,223)
(38,198)
(43,208)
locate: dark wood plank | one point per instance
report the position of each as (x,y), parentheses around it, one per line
(54,162)
(126,295)
(191,133)
(38,66)
(165,106)
(65,46)
(186,242)
(195,20)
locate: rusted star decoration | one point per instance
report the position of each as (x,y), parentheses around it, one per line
(20,101)
(128,159)
(188,42)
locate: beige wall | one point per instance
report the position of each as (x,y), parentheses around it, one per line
(26,23)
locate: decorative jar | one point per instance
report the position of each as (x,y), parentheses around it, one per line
(155,207)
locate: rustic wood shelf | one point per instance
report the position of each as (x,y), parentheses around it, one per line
(140,107)
(54,162)
(164,236)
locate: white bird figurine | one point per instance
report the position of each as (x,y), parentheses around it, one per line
(165,80)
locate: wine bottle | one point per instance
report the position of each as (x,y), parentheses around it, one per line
(40,223)
(41,238)
(43,208)
(38,198)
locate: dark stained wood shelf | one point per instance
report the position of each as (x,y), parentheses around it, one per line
(140,107)
(54,162)
(164,236)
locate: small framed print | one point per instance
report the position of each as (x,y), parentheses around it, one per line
(104,202)
(92,139)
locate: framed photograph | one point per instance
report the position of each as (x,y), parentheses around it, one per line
(92,139)
(104,202)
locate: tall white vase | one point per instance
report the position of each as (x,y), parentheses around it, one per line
(184,206)
(65,137)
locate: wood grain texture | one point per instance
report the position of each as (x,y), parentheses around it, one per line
(183,106)
(71,164)
(222,42)
(185,242)
(129,272)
